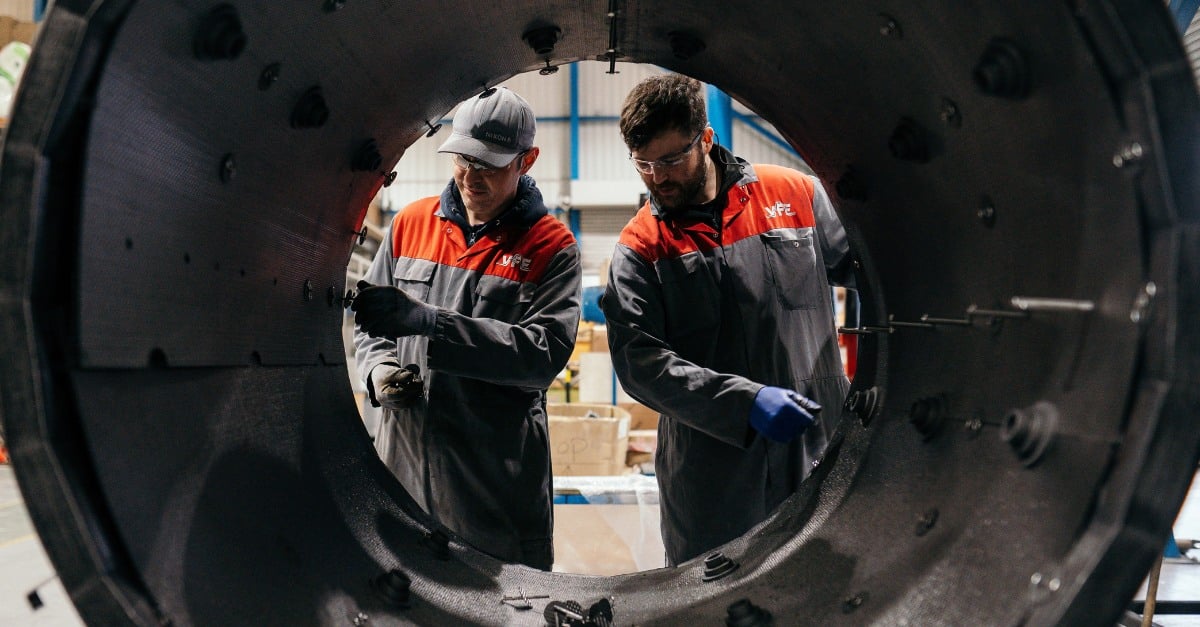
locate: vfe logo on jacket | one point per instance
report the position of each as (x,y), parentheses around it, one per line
(515,261)
(780,208)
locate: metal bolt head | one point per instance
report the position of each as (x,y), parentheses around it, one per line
(1129,154)
(361,619)
(889,27)
(269,76)
(228,168)
(308,290)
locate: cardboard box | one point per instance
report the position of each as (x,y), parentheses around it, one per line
(599,339)
(640,417)
(12,29)
(587,439)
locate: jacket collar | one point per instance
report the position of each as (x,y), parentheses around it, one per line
(526,209)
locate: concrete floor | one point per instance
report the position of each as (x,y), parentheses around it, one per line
(24,566)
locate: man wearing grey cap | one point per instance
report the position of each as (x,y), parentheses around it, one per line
(465,317)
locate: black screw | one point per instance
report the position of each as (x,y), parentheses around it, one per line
(909,142)
(367,159)
(433,130)
(439,543)
(228,168)
(549,69)
(685,45)
(542,39)
(1003,70)
(986,212)
(310,111)
(950,113)
(927,416)
(889,27)
(743,613)
(389,178)
(393,586)
(854,602)
(717,566)
(487,91)
(362,235)
(220,35)
(269,76)
(927,521)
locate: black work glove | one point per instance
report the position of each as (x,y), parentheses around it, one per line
(385,311)
(396,388)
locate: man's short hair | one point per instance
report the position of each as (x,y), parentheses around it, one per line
(662,103)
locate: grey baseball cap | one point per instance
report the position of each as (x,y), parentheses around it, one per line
(493,127)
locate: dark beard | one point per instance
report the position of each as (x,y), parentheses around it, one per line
(690,190)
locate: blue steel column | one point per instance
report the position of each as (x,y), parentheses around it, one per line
(1184,11)
(720,115)
(39,9)
(572,214)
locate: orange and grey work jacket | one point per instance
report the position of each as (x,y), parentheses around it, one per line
(474,451)
(700,318)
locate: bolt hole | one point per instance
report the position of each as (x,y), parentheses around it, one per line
(187,258)
(128,244)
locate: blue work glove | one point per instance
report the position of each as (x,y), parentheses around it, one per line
(385,311)
(781,415)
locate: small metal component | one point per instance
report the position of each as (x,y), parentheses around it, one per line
(926,415)
(549,69)
(1129,154)
(865,330)
(975,311)
(361,619)
(986,212)
(333,5)
(909,325)
(862,403)
(367,158)
(611,53)
(685,45)
(1030,431)
(717,566)
(889,27)
(743,613)
(542,39)
(433,130)
(950,114)
(1029,303)
(959,322)
(600,614)
(220,35)
(389,178)
(393,586)
(308,289)
(269,76)
(564,613)
(362,235)
(487,91)
(927,521)
(909,142)
(310,111)
(439,543)
(521,602)
(1142,303)
(973,427)
(1003,71)
(331,296)
(854,602)
(228,168)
